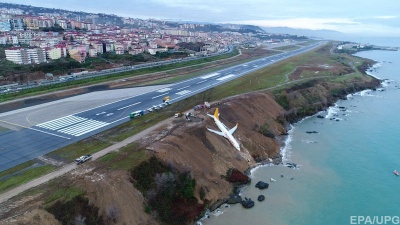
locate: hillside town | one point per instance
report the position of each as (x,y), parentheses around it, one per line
(40,37)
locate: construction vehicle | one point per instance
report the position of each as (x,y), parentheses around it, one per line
(166,99)
(188,115)
(178,114)
(136,114)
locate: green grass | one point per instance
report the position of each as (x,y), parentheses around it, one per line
(63,194)
(287,48)
(25,177)
(307,43)
(83,147)
(195,74)
(123,131)
(126,158)
(2,129)
(96,80)
(259,80)
(16,168)
(131,155)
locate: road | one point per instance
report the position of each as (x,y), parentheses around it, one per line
(117,70)
(41,132)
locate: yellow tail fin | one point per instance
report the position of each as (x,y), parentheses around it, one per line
(216,114)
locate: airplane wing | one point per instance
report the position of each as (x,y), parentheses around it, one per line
(217,132)
(233,129)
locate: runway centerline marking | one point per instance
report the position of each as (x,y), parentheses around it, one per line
(159,95)
(129,106)
(182,88)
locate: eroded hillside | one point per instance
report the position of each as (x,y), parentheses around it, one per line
(188,147)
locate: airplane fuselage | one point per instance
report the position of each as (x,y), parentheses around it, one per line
(226,133)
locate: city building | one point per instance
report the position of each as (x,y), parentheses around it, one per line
(17,24)
(5,25)
(26,55)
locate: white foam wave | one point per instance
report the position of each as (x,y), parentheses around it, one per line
(258,167)
(349,96)
(332,111)
(365,93)
(285,149)
(374,68)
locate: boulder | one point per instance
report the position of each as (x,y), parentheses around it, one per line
(291,165)
(234,199)
(262,185)
(311,132)
(216,204)
(237,177)
(261,198)
(247,203)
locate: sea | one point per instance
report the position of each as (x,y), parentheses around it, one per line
(345,161)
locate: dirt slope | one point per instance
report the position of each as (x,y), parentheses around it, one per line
(189,146)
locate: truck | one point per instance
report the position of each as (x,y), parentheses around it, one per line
(202,106)
(136,114)
(178,114)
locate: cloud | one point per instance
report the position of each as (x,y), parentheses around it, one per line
(303,23)
(189,5)
(386,17)
(344,25)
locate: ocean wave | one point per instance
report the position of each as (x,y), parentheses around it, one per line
(374,68)
(365,93)
(285,149)
(332,111)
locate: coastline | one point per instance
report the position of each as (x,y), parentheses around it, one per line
(207,155)
(284,155)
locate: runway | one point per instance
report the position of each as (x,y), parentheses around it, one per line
(40,129)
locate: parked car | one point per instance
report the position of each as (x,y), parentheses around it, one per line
(83,159)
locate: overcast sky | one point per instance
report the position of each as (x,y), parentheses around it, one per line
(361,17)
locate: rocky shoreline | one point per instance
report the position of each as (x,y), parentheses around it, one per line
(234,197)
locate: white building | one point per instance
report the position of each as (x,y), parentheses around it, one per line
(26,55)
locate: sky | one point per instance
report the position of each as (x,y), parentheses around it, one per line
(379,18)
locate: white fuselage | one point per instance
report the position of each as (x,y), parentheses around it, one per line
(226,133)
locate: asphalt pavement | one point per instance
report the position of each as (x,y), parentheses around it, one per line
(41,129)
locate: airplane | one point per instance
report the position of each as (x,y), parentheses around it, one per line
(224,130)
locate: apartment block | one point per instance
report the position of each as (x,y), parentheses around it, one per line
(26,55)
(5,25)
